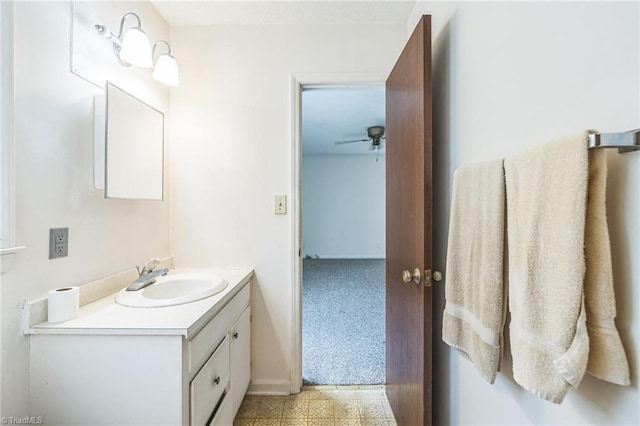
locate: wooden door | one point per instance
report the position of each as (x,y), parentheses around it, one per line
(409,198)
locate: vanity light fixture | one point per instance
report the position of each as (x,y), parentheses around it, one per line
(166,67)
(131,47)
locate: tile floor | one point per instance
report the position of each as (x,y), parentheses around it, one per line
(330,406)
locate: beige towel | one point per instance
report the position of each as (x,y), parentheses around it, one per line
(546,209)
(473,317)
(607,359)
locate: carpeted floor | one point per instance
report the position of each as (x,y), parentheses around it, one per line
(343,322)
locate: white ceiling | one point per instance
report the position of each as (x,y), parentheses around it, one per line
(339,114)
(216,12)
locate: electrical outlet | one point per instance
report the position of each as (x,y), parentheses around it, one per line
(58,242)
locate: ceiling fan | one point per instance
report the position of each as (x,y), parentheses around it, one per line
(375,133)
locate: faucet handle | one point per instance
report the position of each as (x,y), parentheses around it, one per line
(152,264)
(148,267)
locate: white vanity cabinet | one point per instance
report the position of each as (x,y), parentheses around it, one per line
(194,376)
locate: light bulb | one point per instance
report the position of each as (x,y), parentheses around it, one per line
(136,49)
(166,70)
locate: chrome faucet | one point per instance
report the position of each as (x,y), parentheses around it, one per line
(147,275)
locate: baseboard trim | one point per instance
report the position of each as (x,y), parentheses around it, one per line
(355,256)
(343,387)
(269,387)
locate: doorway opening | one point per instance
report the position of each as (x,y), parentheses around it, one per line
(342,174)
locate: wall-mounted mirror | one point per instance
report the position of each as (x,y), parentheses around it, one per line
(134,147)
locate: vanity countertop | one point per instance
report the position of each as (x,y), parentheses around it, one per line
(105,316)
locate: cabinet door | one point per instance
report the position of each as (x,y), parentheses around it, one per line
(240,337)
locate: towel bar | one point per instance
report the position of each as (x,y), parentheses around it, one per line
(624,141)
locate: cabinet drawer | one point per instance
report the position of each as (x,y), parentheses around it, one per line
(209,384)
(203,343)
(224,415)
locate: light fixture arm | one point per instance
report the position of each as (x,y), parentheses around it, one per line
(153,51)
(106,33)
(117,39)
(122,23)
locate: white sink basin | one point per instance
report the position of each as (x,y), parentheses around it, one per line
(173,289)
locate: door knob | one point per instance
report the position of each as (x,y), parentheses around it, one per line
(417,277)
(407,276)
(437,276)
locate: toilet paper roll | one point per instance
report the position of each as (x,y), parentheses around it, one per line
(64,304)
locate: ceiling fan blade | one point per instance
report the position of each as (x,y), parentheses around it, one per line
(354,141)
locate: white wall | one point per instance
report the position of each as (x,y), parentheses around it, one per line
(343,206)
(231,152)
(54,180)
(508,77)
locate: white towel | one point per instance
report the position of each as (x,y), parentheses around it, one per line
(474,312)
(607,359)
(546,209)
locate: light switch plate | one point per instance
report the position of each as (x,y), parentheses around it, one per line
(281,204)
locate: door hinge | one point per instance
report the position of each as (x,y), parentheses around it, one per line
(251,318)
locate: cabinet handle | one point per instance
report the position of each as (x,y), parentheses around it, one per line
(235,335)
(217,380)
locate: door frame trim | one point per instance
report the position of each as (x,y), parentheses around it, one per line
(298,81)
